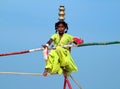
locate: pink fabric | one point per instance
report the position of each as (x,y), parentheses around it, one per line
(78,40)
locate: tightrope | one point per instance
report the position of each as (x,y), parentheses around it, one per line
(22,73)
(76,82)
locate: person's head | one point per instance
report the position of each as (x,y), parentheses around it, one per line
(61,27)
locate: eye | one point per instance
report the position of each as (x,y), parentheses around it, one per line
(60,26)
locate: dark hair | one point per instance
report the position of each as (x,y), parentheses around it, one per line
(61,22)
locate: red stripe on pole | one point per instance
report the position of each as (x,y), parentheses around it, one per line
(14,53)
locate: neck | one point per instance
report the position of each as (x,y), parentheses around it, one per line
(61,34)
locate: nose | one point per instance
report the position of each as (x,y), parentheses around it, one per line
(60,26)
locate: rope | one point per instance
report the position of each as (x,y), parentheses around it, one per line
(23,73)
(38,74)
(66,81)
(64,86)
(76,82)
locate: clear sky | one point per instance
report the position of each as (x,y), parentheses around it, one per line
(27,24)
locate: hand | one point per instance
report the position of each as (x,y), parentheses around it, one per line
(44,46)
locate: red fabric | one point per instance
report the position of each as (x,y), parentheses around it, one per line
(78,40)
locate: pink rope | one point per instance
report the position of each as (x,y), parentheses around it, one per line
(66,81)
(64,87)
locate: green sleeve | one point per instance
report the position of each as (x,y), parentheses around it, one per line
(71,38)
(53,37)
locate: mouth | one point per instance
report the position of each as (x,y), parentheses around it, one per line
(60,31)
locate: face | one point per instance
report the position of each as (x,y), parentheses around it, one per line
(61,28)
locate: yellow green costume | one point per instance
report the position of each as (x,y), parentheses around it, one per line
(60,57)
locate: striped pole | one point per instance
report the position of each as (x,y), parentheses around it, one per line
(99,43)
(81,45)
(21,52)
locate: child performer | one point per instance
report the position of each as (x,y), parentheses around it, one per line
(59,59)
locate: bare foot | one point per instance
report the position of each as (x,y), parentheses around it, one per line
(65,72)
(45,73)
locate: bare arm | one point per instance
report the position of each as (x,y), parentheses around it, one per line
(48,43)
(70,49)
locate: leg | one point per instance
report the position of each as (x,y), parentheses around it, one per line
(45,73)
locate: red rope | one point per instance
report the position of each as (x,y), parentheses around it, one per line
(66,81)
(64,87)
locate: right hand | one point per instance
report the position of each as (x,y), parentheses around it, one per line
(44,46)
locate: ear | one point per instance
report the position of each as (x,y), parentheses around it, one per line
(78,40)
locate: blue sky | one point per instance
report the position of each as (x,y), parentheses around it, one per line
(27,24)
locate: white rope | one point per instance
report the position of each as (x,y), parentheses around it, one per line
(23,73)
(76,82)
(36,74)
